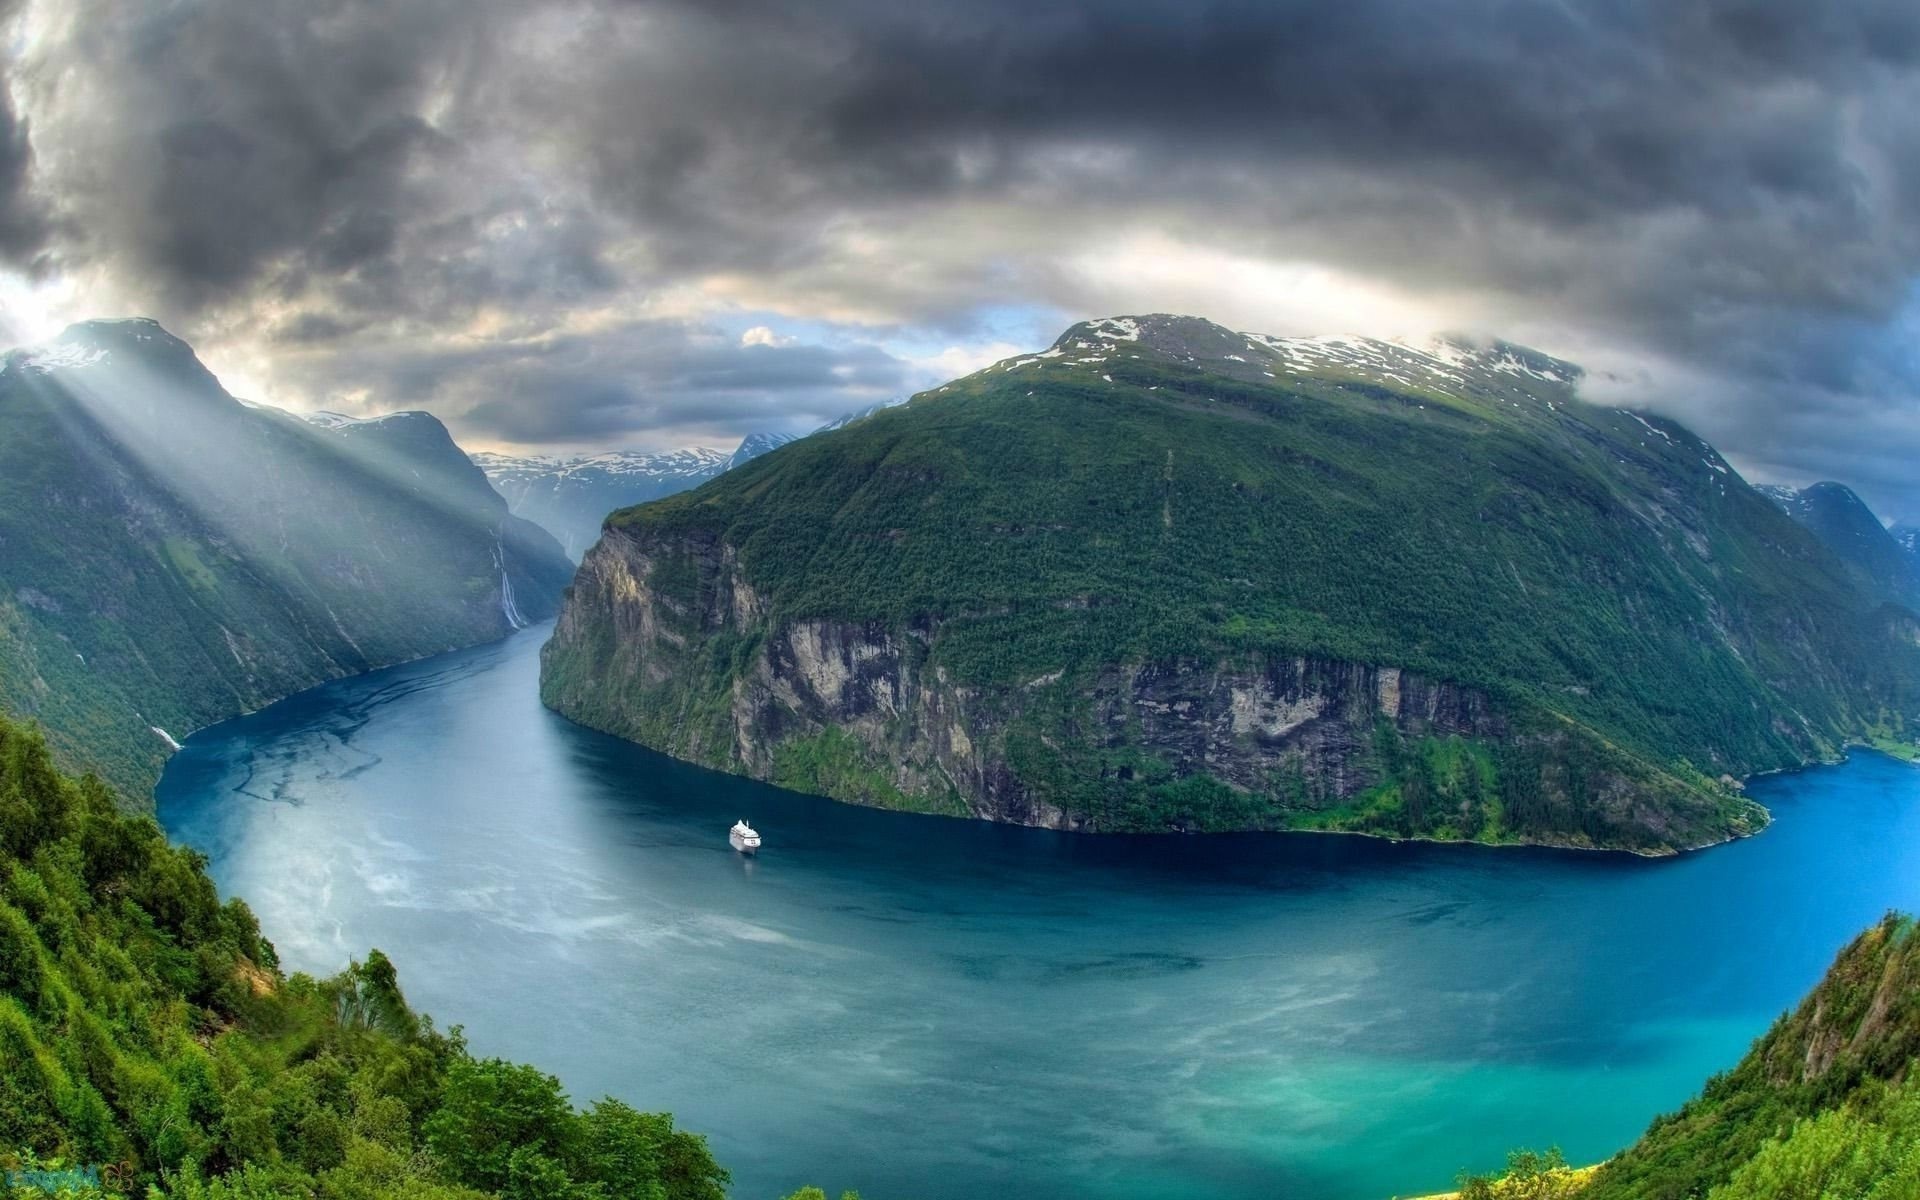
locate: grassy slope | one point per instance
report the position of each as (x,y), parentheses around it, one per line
(1604,578)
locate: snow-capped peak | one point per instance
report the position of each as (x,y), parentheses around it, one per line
(684,460)
(1449,365)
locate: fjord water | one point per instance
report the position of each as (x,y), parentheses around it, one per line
(927,1008)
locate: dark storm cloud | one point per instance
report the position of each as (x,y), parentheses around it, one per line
(23,229)
(1730,185)
(285,155)
(617,384)
(1663,166)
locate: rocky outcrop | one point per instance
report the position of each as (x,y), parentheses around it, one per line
(668,643)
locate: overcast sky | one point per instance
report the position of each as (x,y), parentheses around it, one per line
(585,224)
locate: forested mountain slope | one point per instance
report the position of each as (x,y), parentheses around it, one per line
(1167,576)
(170,556)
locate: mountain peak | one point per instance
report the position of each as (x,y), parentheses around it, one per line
(1829,499)
(1166,333)
(328,419)
(860,414)
(114,325)
(95,342)
(755,444)
(1833,492)
(142,335)
(1446,363)
(1843,522)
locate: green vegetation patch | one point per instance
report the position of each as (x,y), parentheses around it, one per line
(834,763)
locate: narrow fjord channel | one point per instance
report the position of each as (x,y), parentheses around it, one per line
(1220,1017)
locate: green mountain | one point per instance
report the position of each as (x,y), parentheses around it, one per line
(173,556)
(1844,524)
(1164,576)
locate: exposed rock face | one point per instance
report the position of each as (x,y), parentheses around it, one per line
(648,618)
(1243,725)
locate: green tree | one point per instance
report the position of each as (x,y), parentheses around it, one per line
(492,1110)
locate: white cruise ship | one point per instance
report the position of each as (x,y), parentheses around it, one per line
(743,838)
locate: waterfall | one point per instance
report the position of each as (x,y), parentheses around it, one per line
(508,608)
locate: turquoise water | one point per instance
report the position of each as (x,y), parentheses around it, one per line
(927,1009)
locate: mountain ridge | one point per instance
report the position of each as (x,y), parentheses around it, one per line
(1843,522)
(570,495)
(176,556)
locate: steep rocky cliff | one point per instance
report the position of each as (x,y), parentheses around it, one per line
(667,644)
(1167,577)
(857,711)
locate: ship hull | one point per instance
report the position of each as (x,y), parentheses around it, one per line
(743,845)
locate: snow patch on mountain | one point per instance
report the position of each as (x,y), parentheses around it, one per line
(1450,365)
(1120,329)
(754,445)
(327,419)
(63,356)
(846,419)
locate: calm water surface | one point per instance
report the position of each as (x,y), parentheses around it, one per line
(927,1009)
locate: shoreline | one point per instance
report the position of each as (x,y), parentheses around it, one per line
(1655,855)
(1650,855)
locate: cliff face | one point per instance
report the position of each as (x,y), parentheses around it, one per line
(666,642)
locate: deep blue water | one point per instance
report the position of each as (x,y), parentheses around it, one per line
(926,1009)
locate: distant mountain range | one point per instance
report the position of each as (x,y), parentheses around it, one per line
(570,496)
(173,556)
(1166,576)
(1885,565)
